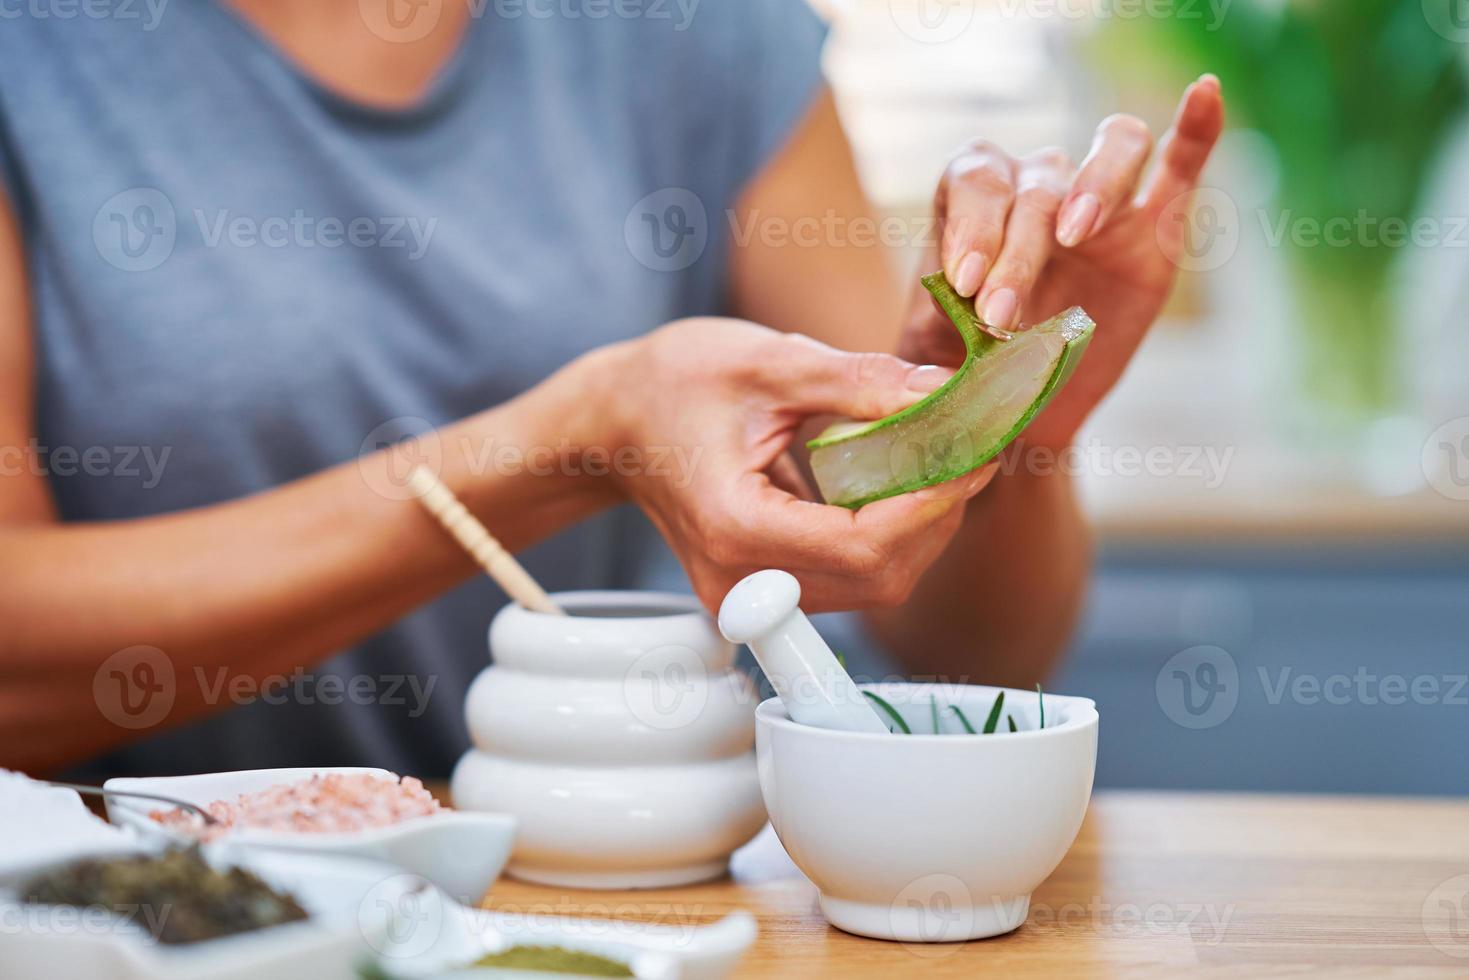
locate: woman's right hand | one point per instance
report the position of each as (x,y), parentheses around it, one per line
(719,401)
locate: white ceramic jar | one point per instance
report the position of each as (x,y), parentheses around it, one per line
(620,736)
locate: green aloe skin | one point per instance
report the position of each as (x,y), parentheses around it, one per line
(997,391)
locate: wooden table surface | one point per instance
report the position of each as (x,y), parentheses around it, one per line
(1157,884)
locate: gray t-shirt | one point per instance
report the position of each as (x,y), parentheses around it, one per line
(239,278)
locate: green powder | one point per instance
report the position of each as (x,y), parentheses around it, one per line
(555,959)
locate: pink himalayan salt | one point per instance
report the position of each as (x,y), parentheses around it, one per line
(334,803)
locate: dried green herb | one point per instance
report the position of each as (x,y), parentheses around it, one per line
(892,712)
(555,959)
(175,896)
(1011,720)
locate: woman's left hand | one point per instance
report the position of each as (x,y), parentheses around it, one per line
(1030,237)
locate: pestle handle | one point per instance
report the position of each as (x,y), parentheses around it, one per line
(763,611)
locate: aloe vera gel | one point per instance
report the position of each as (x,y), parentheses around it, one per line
(997,391)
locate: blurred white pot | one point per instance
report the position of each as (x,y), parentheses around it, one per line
(620,736)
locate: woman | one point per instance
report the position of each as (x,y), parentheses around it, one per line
(259,243)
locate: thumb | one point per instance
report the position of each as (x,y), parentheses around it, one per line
(817,379)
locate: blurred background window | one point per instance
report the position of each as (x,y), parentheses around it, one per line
(1281,484)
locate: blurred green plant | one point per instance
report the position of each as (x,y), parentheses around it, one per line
(1357,97)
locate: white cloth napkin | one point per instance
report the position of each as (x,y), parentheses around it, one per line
(41,824)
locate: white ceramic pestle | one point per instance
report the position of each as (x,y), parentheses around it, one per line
(762,610)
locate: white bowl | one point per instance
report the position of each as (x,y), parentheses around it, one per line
(930,838)
(355,907)
(446,939)
(462,853)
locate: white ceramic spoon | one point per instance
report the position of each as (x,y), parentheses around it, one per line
(762,610)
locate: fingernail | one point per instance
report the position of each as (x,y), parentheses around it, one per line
(959,488)
(1077,220)
(1001,307)
(995,331)
(969,274)
(928,378)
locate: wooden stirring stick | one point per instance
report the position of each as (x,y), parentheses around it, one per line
(476,539)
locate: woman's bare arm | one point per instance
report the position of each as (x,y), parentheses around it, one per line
(259,585)
(684,422)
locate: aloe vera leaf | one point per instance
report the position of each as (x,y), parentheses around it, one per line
(993,721)
(963,719)
(892,712)
(996,392)
(1011,720)
(1040,699)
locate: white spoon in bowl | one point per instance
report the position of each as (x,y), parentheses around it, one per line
(762,610)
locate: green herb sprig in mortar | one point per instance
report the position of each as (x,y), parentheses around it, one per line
(991,723)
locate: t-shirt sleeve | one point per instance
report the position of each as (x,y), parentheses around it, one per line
(10,181)
(780,75)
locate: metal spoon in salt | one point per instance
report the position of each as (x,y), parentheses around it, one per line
(171,801)
(762,611)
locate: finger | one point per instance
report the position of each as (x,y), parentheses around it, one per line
(1187,144)
(929,336)
(892,525)
(786,474)
(892,584)
(1030,235)
(1109,176)
(808,377)
(910,534)
(973,201)
(963,487)
(783,531)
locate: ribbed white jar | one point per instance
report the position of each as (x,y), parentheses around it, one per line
(620,736)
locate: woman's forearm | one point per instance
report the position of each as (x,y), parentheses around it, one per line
(265,584)
(1000,603)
